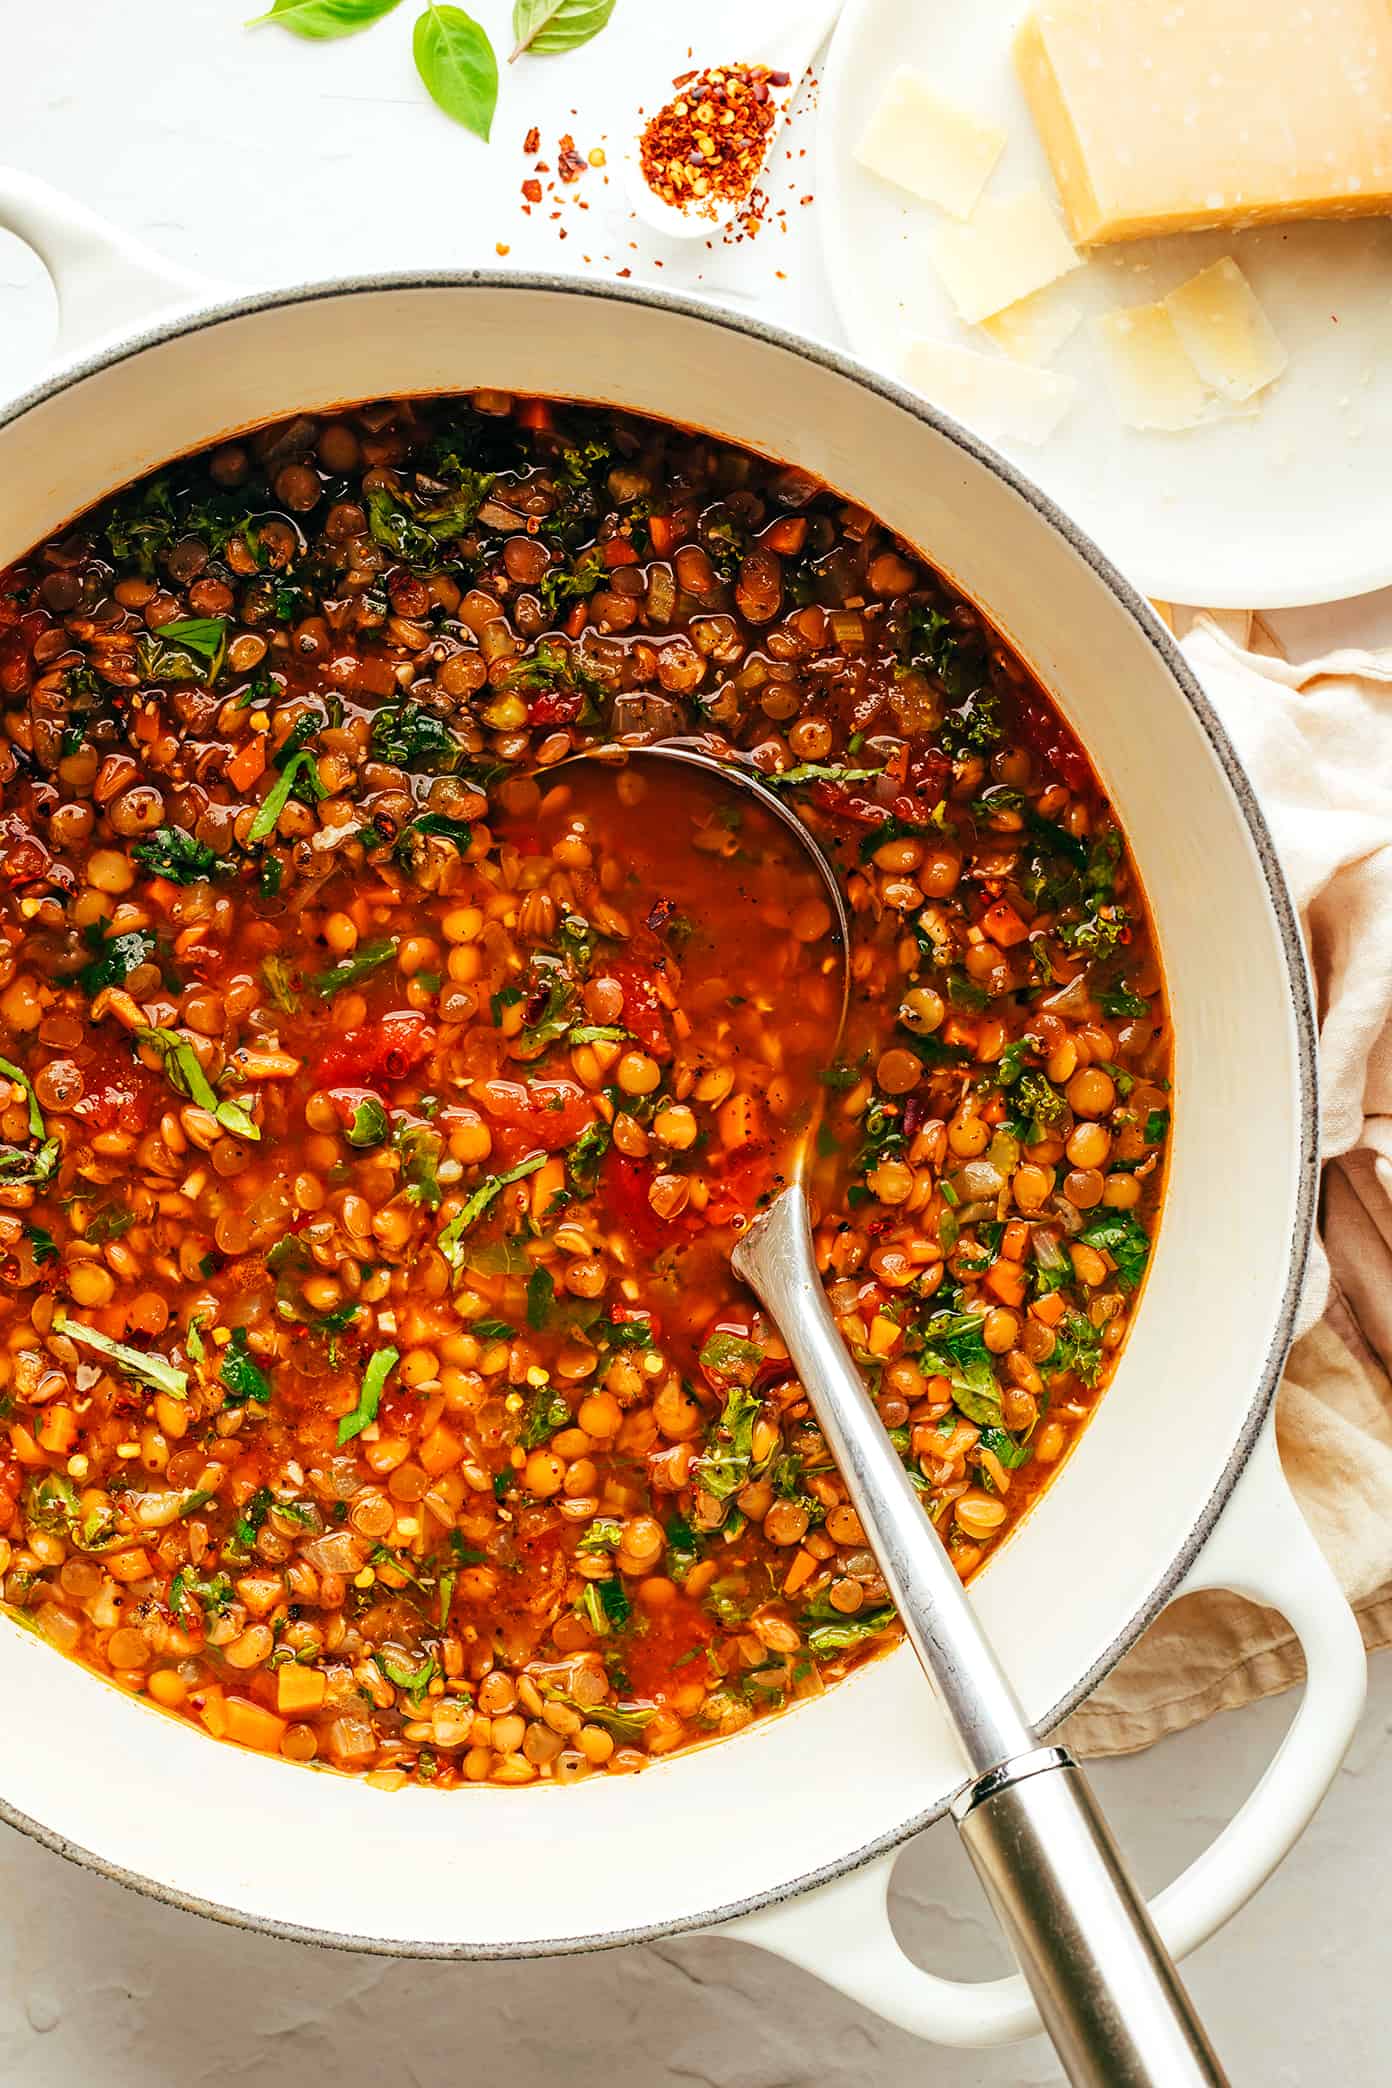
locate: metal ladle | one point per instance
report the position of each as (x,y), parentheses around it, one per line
(1109,1994)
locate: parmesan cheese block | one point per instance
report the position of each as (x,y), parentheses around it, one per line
(1169,115)
(1225,332)
(1011,247)
(1007,401)
(924,144)
(1154,382)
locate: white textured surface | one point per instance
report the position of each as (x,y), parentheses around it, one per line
(261,159)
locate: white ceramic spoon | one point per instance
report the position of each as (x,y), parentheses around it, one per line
(785,37)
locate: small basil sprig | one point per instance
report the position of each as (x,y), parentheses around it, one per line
(456,61)
(322,19)
(551,26)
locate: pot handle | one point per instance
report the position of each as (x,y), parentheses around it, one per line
(1261,1548)
(106,281)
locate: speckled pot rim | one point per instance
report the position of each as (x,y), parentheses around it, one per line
(1153,633)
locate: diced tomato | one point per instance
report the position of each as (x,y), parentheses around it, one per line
(635,1315)
(1048,737)
(120,1094)
(840,803)
(535,414)
(786,536)
(662,534)
(624,1186)
(618,551)
(548,1113)
(650,1656)
(377,1054)
(555,707)
(736,1191)
(643,1012)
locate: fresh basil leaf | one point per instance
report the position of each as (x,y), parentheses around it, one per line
(366,959)
(172,853)
(730,1357)
(541,1296)
(320,20)
(551,26)
(37,1127)
(117,957)
(151,1370)
(370,1124)
(547,1411)
(278,796)
(449,1240)
(184,1072)
(380,1367)
(852,1631)
(204,635)
(455,60)
(41,1244)
(1126,1240)
(242,1378)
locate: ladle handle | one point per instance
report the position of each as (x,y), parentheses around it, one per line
(1109,1994)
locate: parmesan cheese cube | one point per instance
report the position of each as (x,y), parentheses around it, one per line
(1170,115)
(1007,401)
(1155,383)
(1011,247)
(1226,334)
(938,152)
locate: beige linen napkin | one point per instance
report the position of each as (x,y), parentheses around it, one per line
(1316,741)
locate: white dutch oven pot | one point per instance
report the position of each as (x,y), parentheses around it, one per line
(786,1834)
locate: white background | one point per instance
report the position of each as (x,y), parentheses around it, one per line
(260,159)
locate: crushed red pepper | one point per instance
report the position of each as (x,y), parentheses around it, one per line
(707,144)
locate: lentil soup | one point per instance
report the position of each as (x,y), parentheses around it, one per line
(379,1100)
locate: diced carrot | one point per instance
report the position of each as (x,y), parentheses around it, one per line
(662,534)
(248,1724)
(161,893)
(247,763)
(577,619)
(885,1335)
(57,1430)
(1007,1280)
(299,1689)
(534,414)
(23,1446)
(1004,925)
(547,1184)
(440,1449)
(618,551)
(961,1029)
(786,536)
(738,1122)
(802,1569)
(1049,1309)
(211,1706)
(130,1565)
(1015,1240)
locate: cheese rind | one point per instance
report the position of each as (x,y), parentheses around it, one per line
(938,152)
(1226,334)
(1006,401)
(1170,115)
(1011,247)
(1153,380)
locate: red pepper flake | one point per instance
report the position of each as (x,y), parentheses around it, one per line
(570,164)
(532,142)
(532,191)
(707,145)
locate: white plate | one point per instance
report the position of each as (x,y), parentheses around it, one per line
(1290,504)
